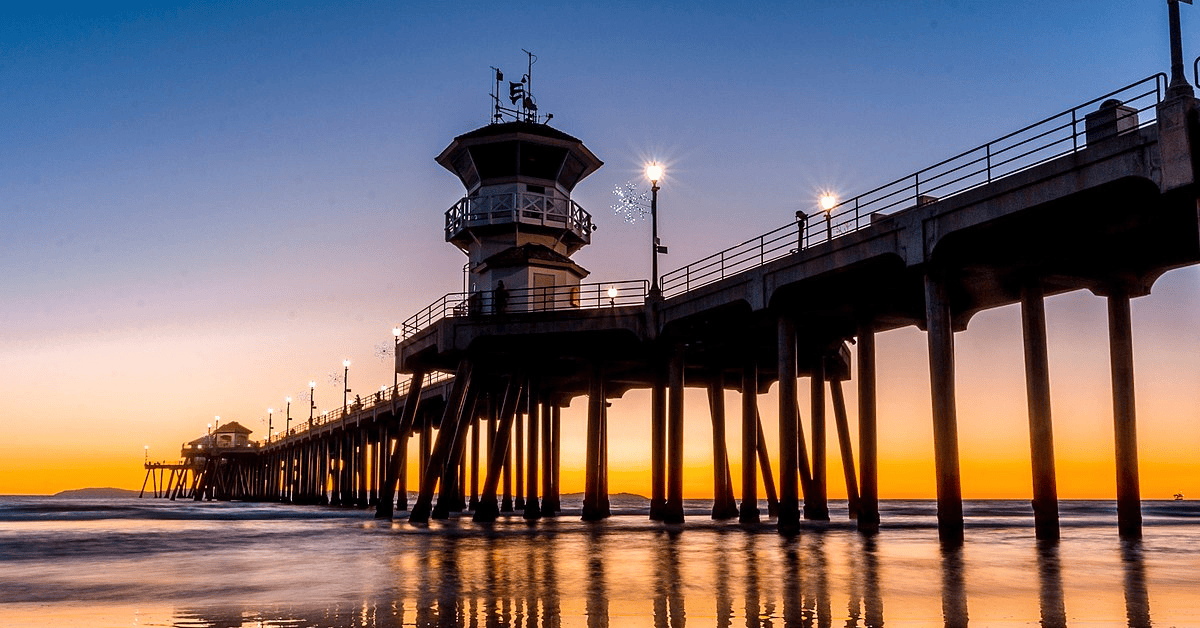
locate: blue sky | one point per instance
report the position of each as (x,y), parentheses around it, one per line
(208,204)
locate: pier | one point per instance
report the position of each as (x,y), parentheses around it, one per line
(1102,197)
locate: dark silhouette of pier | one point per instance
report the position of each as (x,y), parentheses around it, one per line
(1101,197)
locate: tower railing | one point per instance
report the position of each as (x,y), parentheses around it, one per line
(494,305)
(1036,144)
(528,208)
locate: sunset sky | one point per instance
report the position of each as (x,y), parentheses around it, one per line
(206,205)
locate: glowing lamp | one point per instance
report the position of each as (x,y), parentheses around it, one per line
(654,172)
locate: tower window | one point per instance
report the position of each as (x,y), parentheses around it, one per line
(536,189)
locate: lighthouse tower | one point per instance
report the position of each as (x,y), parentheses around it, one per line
(517,223)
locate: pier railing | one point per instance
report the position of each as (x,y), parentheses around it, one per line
(358,405)
(488,303)
(1038,143)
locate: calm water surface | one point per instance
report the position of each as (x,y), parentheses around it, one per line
(149,562)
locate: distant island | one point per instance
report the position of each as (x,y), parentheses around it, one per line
(96,493)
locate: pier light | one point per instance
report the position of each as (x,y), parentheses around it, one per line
(654,172)
(288,424)
(612,295)
(147,448)
(828,202)
(270,414)
(312,400)
(396,331)
(345,382)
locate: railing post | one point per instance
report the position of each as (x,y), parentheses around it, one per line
(1074,131)
(762,256)
(917,185)
(988,147)
(722,264)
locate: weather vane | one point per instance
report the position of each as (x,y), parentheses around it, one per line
(522,106)
(632,204)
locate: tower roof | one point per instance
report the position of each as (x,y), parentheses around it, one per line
(511,151)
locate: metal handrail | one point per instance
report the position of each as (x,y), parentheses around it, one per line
(1020,150)
(387,395)
(522,207)
(487,303)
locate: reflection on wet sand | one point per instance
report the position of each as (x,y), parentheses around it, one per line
(1050,586)
(1137,598)
(954,588)
(598,577)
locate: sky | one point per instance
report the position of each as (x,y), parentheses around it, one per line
(206,205)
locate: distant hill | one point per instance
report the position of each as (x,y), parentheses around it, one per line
(96,493)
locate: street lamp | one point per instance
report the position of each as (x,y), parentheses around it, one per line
(828,201)
(345,383)
(147,448)
(289,414)
(654,172)
(612,296)
(270,413)
(396,331)
(312,401)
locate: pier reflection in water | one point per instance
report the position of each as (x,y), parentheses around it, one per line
(281,566)
(627,573)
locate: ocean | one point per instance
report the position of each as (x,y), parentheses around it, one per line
(152,562)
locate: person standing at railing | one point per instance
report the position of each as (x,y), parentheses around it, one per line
(500,298)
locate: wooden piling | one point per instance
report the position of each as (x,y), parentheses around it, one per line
(487,510)
(547,415)
(422,509)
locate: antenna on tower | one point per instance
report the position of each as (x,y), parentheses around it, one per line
(522,107)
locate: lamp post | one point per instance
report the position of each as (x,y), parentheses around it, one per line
(828,201)
(312,401)
(147,448)
(288,425)
(654,172)
(396,331)
(345,383)
(612,296)
(270,413)
(1179,85)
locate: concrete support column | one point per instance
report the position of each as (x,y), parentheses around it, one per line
(673,513)
(816,501)
(847,450)
(945,421)
(557,464)
(789,497)
(1037,389)
(519,461)
(595,506)
(868,439)
(476,425)
(749,512)
(533,509)
(724,506)
(506,499)
(658,445)
(548,508)
(1120,338)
